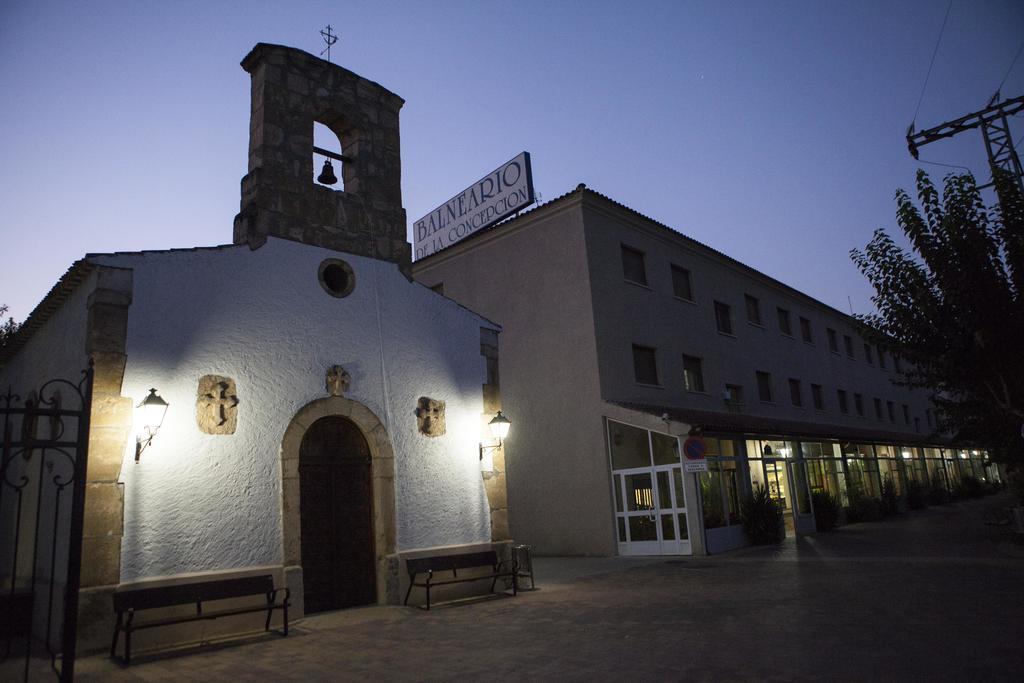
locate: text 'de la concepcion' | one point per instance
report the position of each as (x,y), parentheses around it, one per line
(500,193)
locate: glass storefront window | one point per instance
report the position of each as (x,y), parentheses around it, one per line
(665,448)
(803,496)
(862,469)
(819,449)
(826,476)
(725,448)
(888,469)
(719,488)
(629,446)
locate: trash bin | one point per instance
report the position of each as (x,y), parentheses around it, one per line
(524,564)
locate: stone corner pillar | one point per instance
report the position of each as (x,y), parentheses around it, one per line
(111,425)
(495,483)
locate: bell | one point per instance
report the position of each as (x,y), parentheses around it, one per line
(327,176)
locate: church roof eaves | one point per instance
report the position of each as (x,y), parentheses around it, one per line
(70,281)
(177,250)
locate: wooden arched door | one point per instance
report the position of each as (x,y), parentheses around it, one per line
(336,512)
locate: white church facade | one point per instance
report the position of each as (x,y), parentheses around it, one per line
(325,413)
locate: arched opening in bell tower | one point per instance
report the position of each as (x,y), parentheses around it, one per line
(328,158)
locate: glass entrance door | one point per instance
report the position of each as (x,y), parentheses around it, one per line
(788,485)
(651,511)
(647,483)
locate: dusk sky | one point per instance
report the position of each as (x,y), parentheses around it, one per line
(771,131)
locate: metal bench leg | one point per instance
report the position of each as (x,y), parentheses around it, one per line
(286,619)
(428,595)
(117,632)
(408,592)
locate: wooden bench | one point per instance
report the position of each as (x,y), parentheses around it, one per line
(430,566)
(129,601)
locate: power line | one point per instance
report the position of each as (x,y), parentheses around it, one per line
(938,163)
(1012,64)
(932,62)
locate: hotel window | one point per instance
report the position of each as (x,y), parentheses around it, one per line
(867,354)
(633,269)
(805,330)
(889,409)
(682,284)
(917,424)
(906,413)
(816,396)
(693,376)
(734,394)
(795,394)
(833,340)
(645,367)
(928,416)
(764,386)
(848,343)
(843,407)
(753,310)
(723,317)
(784,326)
(858,404)
(881,359)
(878,408)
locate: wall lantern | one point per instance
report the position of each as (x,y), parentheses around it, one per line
(499,426)
(153,410)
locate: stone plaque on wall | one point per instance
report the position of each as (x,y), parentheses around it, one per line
(216,405)
(430,416)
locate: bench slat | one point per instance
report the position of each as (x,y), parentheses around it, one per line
(183,594)
(420,565)
(185,618)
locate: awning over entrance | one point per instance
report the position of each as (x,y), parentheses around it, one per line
(739,423)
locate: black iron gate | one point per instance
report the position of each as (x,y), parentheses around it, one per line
(42,497)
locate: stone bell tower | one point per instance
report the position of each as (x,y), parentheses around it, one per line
(292,90)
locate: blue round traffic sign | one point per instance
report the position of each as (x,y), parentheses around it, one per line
(694,448)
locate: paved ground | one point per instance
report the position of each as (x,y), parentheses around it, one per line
(931,595)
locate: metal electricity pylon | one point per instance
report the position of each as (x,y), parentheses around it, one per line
(995,128)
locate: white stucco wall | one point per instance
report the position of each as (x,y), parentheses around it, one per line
(200,502)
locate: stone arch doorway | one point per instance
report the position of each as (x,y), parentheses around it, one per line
(336,516)
(381,486)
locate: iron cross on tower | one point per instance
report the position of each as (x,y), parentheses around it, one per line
(330,39)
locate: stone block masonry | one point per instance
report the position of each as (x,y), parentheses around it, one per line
(292,90)
(495,483)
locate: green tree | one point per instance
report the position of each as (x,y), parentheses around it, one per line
(954,306)
(7,327)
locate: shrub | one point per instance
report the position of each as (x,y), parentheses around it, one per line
(761,517)
(826,510)
(890,502)
(917,495)
(968,487)
(862,508)
(937,493)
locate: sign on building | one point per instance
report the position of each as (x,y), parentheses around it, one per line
(695,448)
(498,194)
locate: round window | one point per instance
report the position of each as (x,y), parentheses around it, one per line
(337,278)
